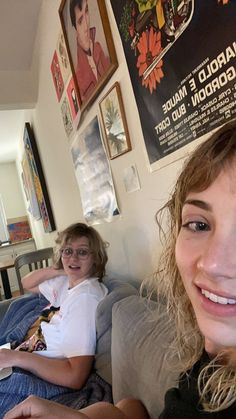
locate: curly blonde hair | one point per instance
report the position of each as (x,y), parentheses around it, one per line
(96,245)
(217,381)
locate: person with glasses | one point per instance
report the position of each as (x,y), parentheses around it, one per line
(65,353)
(197,278)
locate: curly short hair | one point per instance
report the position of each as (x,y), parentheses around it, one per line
(96,244)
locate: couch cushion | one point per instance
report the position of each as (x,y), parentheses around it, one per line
(117,290)
(140,337)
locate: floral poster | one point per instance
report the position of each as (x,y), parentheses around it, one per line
(181,57)
(93,175)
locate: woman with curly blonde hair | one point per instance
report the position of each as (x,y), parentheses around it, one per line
(197,277)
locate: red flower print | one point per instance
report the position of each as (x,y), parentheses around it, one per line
(149,47)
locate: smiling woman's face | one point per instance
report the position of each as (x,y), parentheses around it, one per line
(206,259)
(75,266)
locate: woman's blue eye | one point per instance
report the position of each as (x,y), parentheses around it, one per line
(196,226)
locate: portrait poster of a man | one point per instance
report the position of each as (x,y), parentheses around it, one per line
(88,44)
(91,59)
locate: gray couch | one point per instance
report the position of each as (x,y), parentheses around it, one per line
(141,335)
(135,335)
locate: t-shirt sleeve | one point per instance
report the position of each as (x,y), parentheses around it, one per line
(79,333)
(52,289)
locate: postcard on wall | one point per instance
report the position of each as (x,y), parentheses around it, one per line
(73,99)
(66,116)
(63,58)
(93,175)
(57,76)
(131,179)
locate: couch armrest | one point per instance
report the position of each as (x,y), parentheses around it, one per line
(117,291)
(140,337)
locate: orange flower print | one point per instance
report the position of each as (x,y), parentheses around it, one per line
(224,1)
(149,47)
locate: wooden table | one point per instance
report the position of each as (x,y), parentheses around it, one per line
(4,266)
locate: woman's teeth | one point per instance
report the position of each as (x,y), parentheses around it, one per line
(217,299)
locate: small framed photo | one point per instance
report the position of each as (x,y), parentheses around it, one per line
(89,45)
(114,122)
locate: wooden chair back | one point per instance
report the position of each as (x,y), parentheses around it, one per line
(34,260)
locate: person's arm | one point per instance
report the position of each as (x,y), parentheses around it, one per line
(34,407)
(32,280)
(69,372)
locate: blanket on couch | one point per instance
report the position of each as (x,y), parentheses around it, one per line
(20,384)
(20,315)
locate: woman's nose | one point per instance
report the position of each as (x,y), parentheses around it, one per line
(218,258)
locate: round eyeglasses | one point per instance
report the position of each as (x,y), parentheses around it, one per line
(81,253)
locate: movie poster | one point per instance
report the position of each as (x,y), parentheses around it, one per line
(181,60)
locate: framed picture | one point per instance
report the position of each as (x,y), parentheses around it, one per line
(30,194)
(89,45)
(37,179)
(114,122)
(19,229)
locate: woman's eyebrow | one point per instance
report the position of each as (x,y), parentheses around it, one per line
(198,203)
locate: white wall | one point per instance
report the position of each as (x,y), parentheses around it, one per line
(134,242)
(12,197)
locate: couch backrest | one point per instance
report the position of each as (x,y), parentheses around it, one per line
(117,290)
(140,337)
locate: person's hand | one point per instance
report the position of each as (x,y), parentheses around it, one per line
(34,407)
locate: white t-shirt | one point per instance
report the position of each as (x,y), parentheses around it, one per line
(72,330)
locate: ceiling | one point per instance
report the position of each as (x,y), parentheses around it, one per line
(18,27)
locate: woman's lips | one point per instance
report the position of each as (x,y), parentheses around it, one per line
(217,305)
(217,298)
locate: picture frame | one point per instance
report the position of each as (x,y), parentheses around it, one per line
(30,194)
(19,229)
(91,52)
(37,179)
(114,123)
